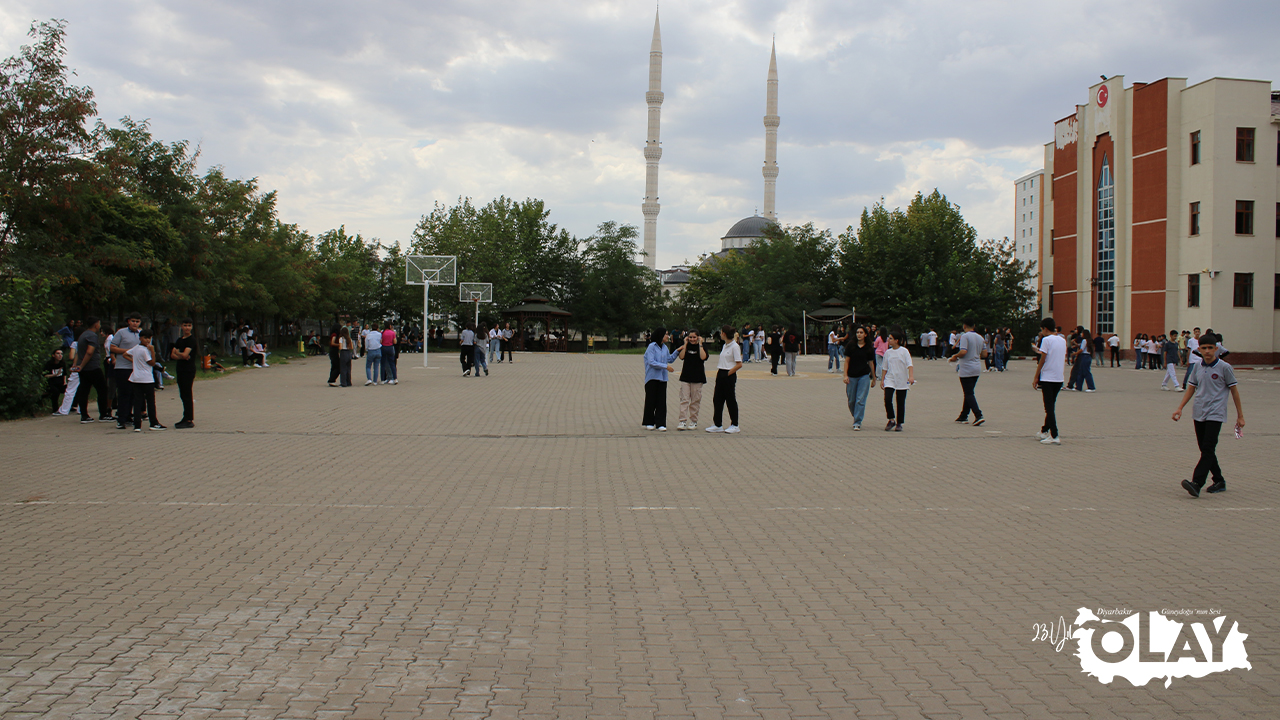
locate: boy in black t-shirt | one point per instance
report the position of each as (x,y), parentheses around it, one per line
(55,372)
(185,350)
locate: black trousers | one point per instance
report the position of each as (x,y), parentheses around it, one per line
(891,395)
(1207,438)
(655,404)
(1115,357)
(124,395)
(1050,390)
(505,349)
(185,381)
(143,396)
(96,380)
(244,354)
(970,400)
(335,367)
(467,356)
(774,355)
(726,394)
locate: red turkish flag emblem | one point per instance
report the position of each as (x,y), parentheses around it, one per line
(1103,93)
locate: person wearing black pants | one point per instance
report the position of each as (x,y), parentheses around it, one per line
(1211,383)
(726,392)
(970,350)
(184,351)
(335,363)
(124,340)
(657,363)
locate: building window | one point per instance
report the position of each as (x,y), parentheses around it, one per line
(1106,249)
(1032,214)
(1243,296)
(1032,246)
(1051,298)
(1278,219)
(1275,298)
(1033,198)
(1244,217)
(1195,148)
(1033,182)
(1244,144)
(1193,290)
(1195,219)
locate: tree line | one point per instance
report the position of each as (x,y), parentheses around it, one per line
(99,219)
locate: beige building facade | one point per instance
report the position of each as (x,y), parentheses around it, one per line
(1162,211)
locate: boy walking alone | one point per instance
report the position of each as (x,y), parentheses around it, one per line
(1210,381)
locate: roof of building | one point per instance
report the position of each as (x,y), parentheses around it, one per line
(675,277)
(749,227)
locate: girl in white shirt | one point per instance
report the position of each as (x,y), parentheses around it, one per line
(726,392)
(899,376)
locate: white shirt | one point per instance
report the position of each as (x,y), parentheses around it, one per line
(952,341)
(372,340)
(142,372)
(493,334)
(896,362)
(1193,345)
(933,338)
(1054,349)
(731,355)
(831,338)
(1114,341)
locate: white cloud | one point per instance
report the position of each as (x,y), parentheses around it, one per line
(365,115)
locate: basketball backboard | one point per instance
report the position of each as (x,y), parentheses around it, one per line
(431,269)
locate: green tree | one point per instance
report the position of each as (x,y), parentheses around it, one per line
(924,267)
(28,320)
(772,281)
(616,296)
(44,140)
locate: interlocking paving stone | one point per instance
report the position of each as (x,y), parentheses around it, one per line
(517,546)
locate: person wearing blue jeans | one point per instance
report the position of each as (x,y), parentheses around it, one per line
(859,373)
(1083,362)
(833,351)
(372,356)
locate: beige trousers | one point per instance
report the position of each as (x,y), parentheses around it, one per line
(690,401)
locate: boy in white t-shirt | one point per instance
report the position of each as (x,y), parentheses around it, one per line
(899,376)
(1050,371)
(142,378)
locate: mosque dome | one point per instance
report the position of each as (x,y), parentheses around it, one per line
(744,231)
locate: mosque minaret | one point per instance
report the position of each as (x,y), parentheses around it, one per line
(653,150)
(771,121)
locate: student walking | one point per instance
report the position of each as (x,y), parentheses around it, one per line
(1050,369)
(335,363)
(693,375)
(726,392)
(481,361)
(833,351)
(1169,348)
(185,350)
(657,362)
(968,360)
(899,376)
(142,378)
(859,373)
(774,344)
(1210,382)
(466,348)
(73,383)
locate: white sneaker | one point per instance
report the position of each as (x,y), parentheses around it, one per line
(649,427)
(662,428)
(1091,391)
(715,428)
(1177,389)
(395,382)
(266,364)
(1164,387)
(732,429)
(1051,441)
(680,426)
(1041,435)
(368,382)
(691,426)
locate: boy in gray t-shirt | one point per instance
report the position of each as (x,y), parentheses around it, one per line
(970,349)
(1210,382)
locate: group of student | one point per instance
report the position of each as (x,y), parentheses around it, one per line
(1209,380)
(476,346)
(347,341)
(124,369)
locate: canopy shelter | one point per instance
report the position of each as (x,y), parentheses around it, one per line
(831,312)
(537,311)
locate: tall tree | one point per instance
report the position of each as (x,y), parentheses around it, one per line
(617,296)
(44,138)
(924,267)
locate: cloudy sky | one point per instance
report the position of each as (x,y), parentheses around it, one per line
(366,113)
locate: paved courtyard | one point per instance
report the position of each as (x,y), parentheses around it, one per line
(518,546)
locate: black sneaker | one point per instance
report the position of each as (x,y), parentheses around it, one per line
(889,427)
(158,426)
(979,421)
(86,421)
(1191,488)
(184,425)
(120,426)
(962,420)
(898,427)
(1217,487)
(107,418)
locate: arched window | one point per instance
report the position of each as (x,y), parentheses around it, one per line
(1105,319)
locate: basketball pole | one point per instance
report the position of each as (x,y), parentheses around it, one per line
(426,320)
